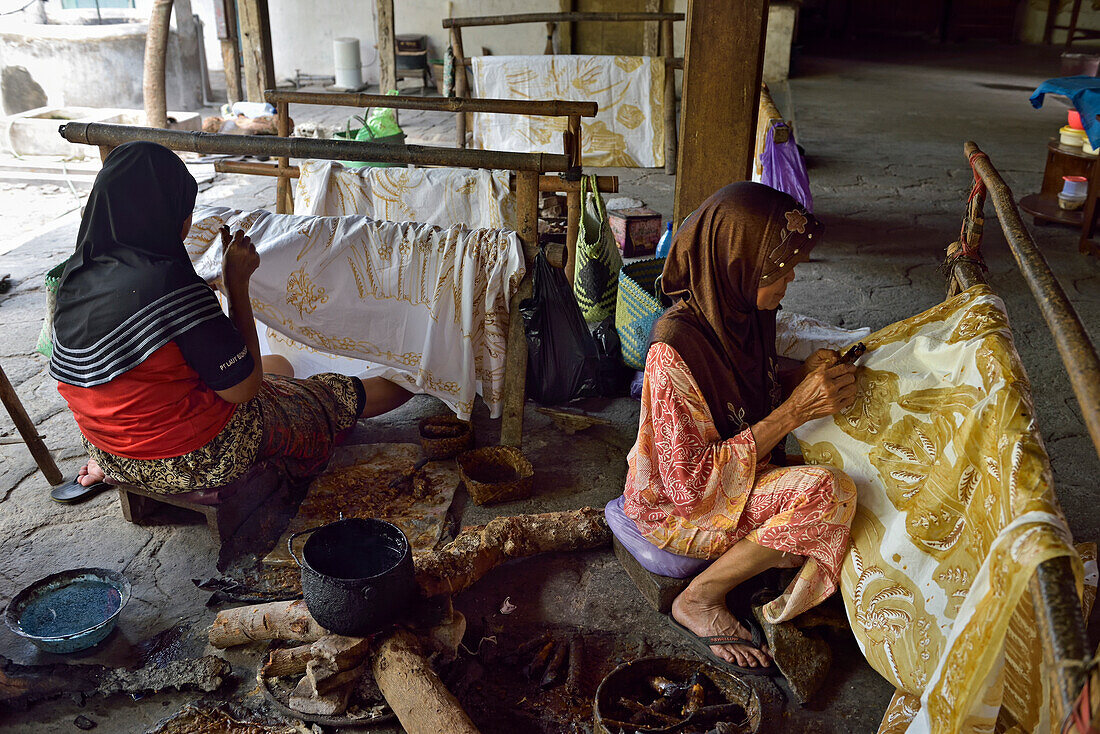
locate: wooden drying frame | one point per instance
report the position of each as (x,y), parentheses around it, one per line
(527,169)
(568,182)
(662,20)
(1053,587)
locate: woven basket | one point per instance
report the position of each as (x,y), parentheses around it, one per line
(637,308)
(445,436)
(496,474)
(45,337)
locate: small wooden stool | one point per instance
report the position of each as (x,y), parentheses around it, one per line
(659,591)
(226,509)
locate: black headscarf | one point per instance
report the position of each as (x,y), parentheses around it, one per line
(130,287)
(744,236)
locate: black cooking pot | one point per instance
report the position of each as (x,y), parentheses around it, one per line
(357,574)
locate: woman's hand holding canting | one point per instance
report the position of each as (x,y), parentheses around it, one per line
(820,359)
(825,391)
(239,259)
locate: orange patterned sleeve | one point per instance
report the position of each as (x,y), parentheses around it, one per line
(680,465)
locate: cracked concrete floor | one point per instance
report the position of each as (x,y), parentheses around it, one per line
(883,128)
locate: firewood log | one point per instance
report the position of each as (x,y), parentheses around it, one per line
(479,549)
(331,703)
(278,620)
(421,702)
(287,661)
(323,679)
(340,652)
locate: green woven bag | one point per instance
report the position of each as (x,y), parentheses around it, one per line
(596,279)
(638,308)
(45,337)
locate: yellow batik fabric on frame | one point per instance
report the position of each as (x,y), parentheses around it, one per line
(425,306)
(956,509)
(629,126)
(474,198)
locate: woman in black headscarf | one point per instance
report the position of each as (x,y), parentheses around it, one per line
(167,391)
(707,477)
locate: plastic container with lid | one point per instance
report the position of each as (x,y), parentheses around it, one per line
(1072,138)
(1074,119)
(1073,193)
(1087,148)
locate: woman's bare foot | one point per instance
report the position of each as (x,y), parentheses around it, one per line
(708,618)
(90,474)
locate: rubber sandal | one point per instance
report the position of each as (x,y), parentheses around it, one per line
(702,646)
(72,491)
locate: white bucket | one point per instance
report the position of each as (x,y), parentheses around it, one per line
(349,67)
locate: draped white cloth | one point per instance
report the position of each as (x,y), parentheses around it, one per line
(475,198)
(426,306)
(629,127)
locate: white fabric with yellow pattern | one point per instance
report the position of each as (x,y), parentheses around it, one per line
(427,306)
(475,198)
(956,509)
(628,129)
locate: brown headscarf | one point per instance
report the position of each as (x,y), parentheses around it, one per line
(744,236)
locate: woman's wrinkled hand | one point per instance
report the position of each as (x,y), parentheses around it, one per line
(239,258)
(818,360)
(824,392)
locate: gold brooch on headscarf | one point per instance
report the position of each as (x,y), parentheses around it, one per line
(788,251)
(796,221)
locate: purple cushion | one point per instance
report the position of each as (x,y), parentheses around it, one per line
(650,557)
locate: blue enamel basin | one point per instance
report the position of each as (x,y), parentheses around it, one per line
(69,611)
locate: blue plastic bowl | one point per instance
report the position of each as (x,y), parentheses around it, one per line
(69,611)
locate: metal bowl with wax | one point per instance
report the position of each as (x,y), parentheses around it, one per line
(69,611)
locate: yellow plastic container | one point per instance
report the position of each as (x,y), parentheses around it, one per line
(1071,137)
(1088,149)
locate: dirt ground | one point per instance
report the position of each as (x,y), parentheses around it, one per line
(883,129)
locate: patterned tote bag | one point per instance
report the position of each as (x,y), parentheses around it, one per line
(596,282)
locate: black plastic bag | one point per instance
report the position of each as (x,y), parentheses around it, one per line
(562,362)
(614,375)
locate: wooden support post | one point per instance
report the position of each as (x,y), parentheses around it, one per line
(460,83)
(723,61)
(25,426)
(670,98)
(387,59)
(548,50)
(650,44)
(515,361)
(225,18)
(284,200)
(259,64)
(574,207)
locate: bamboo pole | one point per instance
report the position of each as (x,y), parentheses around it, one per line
(461,90)
(515,360)
(670,99)
(551,108)
(650,41)
(29,433)
(284,204)
(484,20)
(387,60)
(156,47)
(1079,356)
(573,203)
(547,184)
(95,133)
(676,63)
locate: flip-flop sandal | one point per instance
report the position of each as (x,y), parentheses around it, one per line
(702,646)
(72,491)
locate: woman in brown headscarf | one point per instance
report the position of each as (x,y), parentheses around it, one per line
(707,477)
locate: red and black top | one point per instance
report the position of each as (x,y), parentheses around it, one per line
(167,405)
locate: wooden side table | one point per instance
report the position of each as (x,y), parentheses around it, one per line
(1087,245)
(1062,160)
